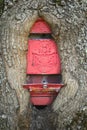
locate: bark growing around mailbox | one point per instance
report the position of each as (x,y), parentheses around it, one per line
(68,21)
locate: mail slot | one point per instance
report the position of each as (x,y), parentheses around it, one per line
(43,71)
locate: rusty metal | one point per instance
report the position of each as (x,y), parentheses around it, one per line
(40,95)
(41,88)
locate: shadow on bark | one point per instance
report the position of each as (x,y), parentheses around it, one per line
(42,118)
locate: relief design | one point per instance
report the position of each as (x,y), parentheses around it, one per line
(43,57)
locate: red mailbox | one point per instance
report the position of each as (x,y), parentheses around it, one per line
(43,66)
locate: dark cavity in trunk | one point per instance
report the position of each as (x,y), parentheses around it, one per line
(42,118)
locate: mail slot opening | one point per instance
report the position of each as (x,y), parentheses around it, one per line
(40,36)
(44,79)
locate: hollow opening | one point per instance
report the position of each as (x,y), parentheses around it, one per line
(43,75)
(41,114)
(41,118)
(40,107)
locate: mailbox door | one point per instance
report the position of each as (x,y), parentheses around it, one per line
(43,57)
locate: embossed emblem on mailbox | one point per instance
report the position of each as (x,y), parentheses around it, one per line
(43,57)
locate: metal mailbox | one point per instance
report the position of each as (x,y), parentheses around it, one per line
(43,66)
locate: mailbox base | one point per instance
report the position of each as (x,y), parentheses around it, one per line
(42,99)
(40,96)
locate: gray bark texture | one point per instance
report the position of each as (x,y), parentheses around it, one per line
(68,21)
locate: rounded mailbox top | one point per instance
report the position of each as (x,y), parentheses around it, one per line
(40,26)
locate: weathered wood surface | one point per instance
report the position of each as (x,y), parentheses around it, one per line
(68,21)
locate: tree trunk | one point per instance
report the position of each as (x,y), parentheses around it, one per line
(68,21)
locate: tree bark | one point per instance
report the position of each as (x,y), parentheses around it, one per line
(68,21)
